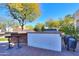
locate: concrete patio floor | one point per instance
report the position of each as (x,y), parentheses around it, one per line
(32,51)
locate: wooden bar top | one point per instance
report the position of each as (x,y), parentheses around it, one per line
(19,32)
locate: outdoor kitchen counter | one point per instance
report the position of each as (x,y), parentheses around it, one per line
(54,32)
(22,36)
(45,40)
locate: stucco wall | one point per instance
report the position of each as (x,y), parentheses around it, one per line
(50,41)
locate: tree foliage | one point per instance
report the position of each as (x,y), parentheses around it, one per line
(9,23)
(29,27)
(39,27)
(68,26)
(24,12)
(2,25)
(49,23)
(52,23)
(68,19)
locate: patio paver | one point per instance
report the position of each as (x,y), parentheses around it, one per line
(32,51)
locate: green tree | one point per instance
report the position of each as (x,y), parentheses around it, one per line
(9,23)
(49,23)
(24,12)
(68,19)
(1,25)
(52,23)
(67,26)
(39,27)
(55,23)
(29,27)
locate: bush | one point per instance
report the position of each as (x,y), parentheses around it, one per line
(39,27)
(69,30)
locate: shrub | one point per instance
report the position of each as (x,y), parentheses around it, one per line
(69,30)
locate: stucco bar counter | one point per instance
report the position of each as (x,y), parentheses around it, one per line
(45,40)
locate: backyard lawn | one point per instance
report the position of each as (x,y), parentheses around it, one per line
(3,39)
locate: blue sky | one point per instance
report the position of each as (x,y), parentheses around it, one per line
(48,10)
